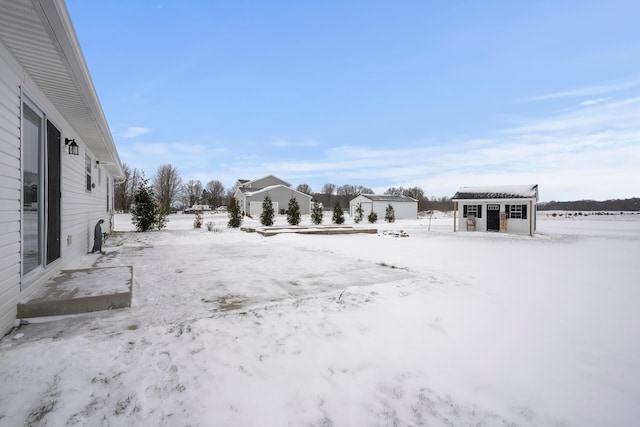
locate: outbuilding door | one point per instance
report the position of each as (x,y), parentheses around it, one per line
(493,217)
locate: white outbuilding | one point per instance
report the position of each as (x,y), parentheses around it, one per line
(506,208)
(403,207)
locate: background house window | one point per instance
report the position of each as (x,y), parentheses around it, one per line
(87,167)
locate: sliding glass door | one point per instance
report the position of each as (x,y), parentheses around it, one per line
(32,137)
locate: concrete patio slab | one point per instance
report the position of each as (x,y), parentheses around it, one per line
(81,291)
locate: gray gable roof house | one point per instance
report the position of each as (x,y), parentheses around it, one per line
(505,208)
(251,193)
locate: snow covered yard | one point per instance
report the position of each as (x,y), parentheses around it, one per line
(438,328)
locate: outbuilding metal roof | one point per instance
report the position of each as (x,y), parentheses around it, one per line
(388,198)
(529,191)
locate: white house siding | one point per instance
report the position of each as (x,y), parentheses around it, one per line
(80,209)
(9,190)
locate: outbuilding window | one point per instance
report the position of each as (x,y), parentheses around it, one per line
(472,210)
(516,211)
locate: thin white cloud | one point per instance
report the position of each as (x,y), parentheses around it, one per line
(587,91)
(152,149)
(593,101)
(585,153)
(135,131)
(581,153)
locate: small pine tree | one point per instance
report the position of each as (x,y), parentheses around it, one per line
(267,214)
(293,211)
(235,216)
(372,217)
(338,214)
(145,212)
(390,214)
(359,213)
(316,213)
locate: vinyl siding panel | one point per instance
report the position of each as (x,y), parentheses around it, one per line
(9,191)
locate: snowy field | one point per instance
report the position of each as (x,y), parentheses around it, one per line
(436,329)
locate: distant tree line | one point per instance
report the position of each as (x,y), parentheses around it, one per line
(632,204)
(172,194)
(330,194)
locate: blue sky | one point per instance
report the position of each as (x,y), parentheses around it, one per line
(436,94)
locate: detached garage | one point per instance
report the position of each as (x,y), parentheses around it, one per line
(403,207)
(507,208)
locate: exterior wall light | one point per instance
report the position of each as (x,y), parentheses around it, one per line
(73,147)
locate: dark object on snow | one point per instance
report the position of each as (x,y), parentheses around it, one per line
(97,238)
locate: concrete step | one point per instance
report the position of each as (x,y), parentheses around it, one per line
(81,291)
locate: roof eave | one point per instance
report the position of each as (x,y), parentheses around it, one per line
(55,16)
(34,27)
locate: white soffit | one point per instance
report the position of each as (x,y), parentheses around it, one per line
(41,37)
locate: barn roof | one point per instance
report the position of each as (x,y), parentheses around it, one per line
(528,191)
(388,198)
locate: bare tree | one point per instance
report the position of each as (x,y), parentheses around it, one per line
(328,189)
(124,190)
(215,193)
(192,192)
(394,191)
(347,192)
(166,185)
(229,194)
(325,198)
(120,195)
(414,192)
(304,188)
(361,189)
